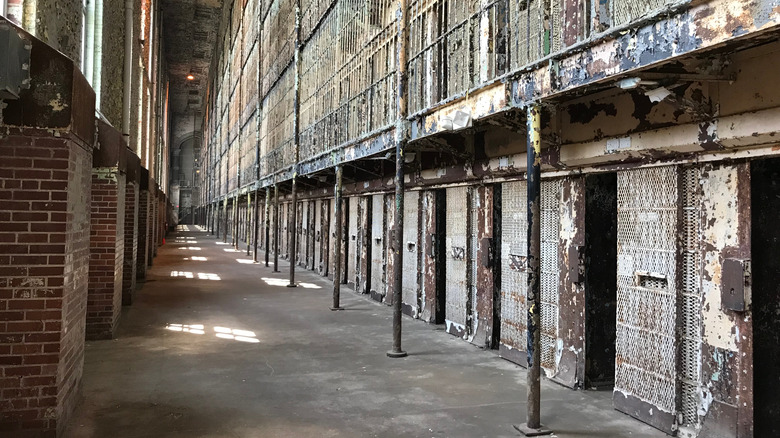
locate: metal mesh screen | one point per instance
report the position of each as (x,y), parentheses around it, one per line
(691,299)
(550,273)
(626,11)
(318,238)
(410,247)
(646,308)
(456,268)
(514,280)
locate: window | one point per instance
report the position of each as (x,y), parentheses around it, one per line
(2,7)
(91,44)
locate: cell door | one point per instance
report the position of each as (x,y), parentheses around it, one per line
(551,342)
(378,250)
(457,255)
(352,257)
(514,276)
(311,234)
(389,205)
(646,348)
(410,251)
(323,222)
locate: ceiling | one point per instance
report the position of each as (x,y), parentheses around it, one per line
(190,30)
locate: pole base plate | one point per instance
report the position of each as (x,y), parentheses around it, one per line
(395,354)
(335,309)
(528,431)
(292,285)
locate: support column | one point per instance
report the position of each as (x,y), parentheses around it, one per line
(267,224)
(339,218)
(293,234)
(256,224)
(276,227)
(249,221)
(402,135)
(234,231)
(533,425)
(224,219)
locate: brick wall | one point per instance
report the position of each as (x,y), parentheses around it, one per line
(107,248)
(44,256)
(131,242)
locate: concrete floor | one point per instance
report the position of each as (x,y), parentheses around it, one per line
(264,360)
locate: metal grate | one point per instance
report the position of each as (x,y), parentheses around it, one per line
(626,11)
(646,309)
(456,269)
(514,279)
(690,299)
(353,258)
(550,273)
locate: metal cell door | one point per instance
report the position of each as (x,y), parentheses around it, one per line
(645,368)
(410,254)
(318,259)
(389,205)
(353,258)
(312,240)
(378,253)
(550,274)
(514,277)
(457,260)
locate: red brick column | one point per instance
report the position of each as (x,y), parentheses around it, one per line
(45,171)
(131,231)
(142,225)
(107,249)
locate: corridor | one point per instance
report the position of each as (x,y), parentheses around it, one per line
(216,346)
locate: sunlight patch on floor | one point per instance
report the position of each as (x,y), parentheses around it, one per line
(199,275)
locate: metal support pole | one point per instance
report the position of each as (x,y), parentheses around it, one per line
(293,231)
(224,231)
(256,224)
(533,426)
(267,224)
(276,227)
(249,217)
(236,218)
(339,226)
(401,137)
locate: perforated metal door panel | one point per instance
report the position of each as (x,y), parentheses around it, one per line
(689,374)
(645,371)
(472,246)
(378,274)
(514,279)
(427,277)
(410,250)
(550,274)
(332,241)
(456,256)
(352,255)
(303,235)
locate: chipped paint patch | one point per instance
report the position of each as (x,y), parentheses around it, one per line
(58,104)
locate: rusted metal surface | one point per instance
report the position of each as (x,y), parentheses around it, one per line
(484,263)
(364,266)
(338,219)
(428,237)
(571,303)
(533,251)
(670,35)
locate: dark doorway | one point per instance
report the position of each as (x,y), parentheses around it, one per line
(600,279)
(765,248)
(495,340)
(440,254)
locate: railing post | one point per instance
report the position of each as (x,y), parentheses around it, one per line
(339,226)
(533,426)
